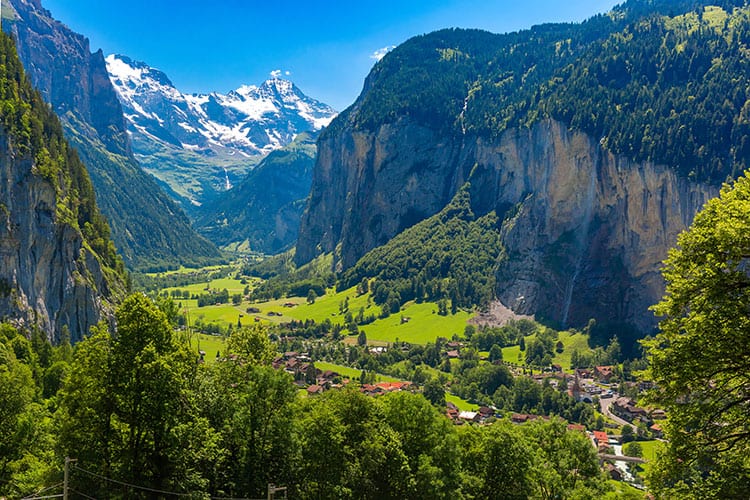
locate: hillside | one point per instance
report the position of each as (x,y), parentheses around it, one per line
(596,142)
(148,229)
(262,212)
(60,271)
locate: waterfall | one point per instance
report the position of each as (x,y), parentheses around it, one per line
(580,244)
(227,184)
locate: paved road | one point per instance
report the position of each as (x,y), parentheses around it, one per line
(605,403)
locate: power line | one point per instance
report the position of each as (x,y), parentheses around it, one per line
(123,483)
(82,494)
(144,488)
(36,495)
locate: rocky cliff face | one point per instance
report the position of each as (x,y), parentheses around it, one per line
(148,228)
(585,230)
(48,278)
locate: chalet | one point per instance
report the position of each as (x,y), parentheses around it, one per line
(613,472)
(600,438)
(658,414)
(469,416)
(583,372)
(452,354)
(657,431)
(577,427)
(290,304)
(627,409)
(454,344)
(486,412)
(314,389)
(520,418)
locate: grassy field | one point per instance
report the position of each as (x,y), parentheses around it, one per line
(424,325)
(232,285)
(352,373)
(570,342)
(210,344)
(462,404)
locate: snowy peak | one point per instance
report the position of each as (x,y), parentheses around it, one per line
(250,121)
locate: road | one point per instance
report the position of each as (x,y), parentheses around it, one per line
(605,403)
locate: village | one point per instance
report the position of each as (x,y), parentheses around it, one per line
(624,421)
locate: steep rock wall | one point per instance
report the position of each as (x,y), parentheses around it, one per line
(585,233)
(48,278)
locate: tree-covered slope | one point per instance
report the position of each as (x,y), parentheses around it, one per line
(59,267)
(262,213)
(655,80)
(452,255)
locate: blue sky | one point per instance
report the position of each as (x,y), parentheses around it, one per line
(327,47)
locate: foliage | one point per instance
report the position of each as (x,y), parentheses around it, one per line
(37,135)
(126,411)
(699,359)
(661,81)
(448,256)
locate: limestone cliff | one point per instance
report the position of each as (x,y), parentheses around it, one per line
(585,230)
(58,268)
(49,278)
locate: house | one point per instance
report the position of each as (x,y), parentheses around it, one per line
(520,418)
(657,431)
(314,389)
(613,472)
(452,354)
(469,416)
(600,438)
(486,412)
(658,414)
(577,427)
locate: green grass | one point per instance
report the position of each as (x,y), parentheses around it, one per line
(352,373)
(210,344)
(186,270)
(571,342)
(622,488)
(651,450)
(510,354)
(328,306)
(462,404)
(425,325)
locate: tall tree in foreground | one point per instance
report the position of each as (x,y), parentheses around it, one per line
(700,360)
(127,410)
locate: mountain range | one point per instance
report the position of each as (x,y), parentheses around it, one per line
(200,145)
(148,228)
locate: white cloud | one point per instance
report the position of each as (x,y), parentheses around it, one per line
(287,73)
(276,73)
(380,53)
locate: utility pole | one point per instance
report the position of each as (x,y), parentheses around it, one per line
(66,472)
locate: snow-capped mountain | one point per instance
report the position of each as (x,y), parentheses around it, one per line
(201,144)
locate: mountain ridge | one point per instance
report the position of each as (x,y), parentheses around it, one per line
(589,216)
(199,145)
(148,228)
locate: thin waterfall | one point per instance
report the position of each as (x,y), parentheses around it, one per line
(580,243)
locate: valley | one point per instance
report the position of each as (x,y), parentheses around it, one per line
(514,266)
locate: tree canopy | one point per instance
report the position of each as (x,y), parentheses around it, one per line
(700,360)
